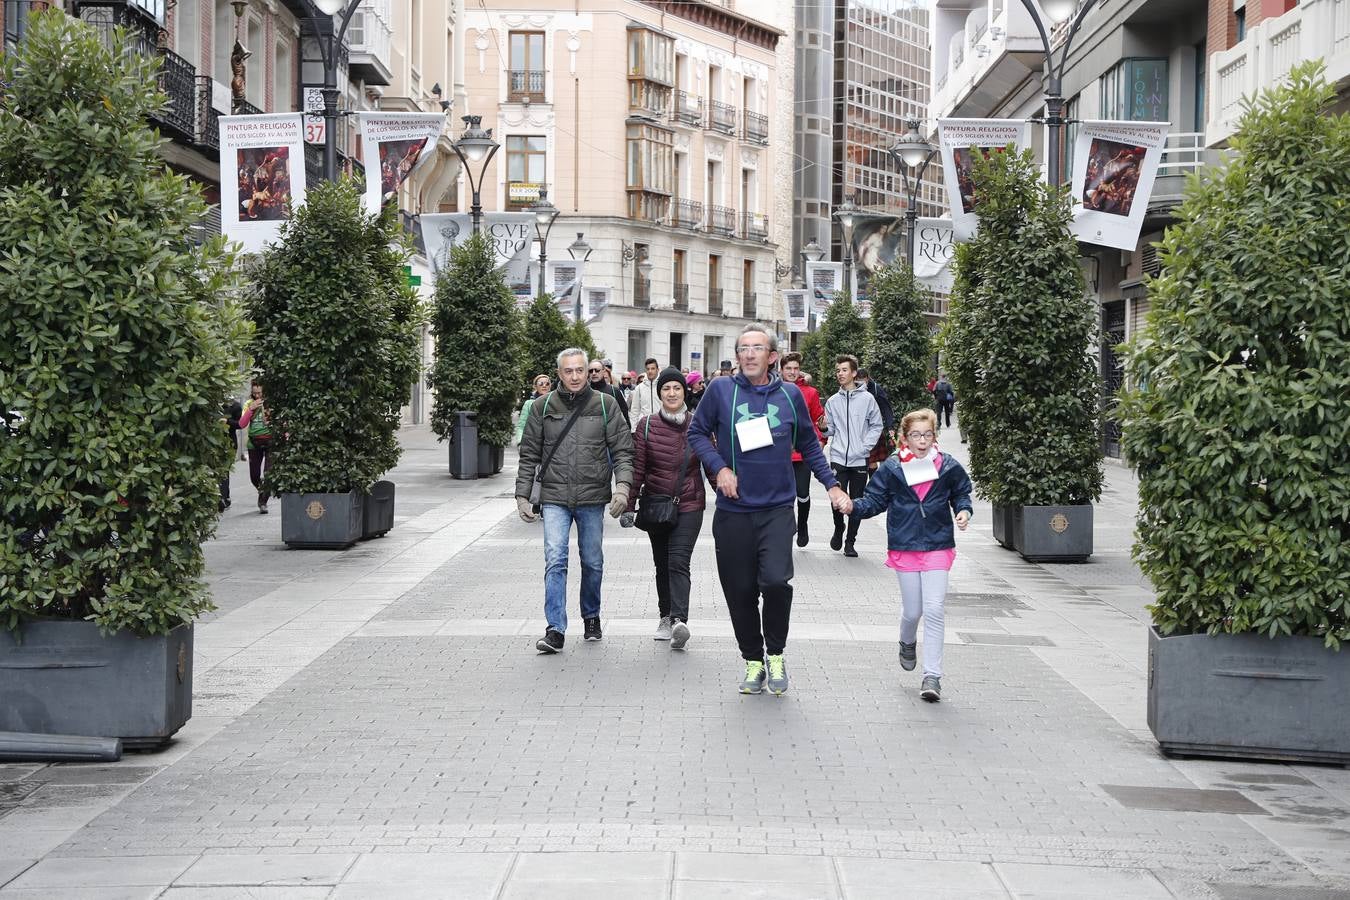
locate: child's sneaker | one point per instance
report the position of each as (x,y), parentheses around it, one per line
(908,658)
(932,689)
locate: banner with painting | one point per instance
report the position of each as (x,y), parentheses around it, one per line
(563,281)
(267,153)
(511,234)
(959,140)
(394,145)
(1114,166)
(798,305)
(824,280)
(934,246)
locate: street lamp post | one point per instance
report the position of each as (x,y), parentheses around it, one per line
(912,153)
(581,250)
(544,214)
(329,43)
(847,216)
(1057,11)
(475,147)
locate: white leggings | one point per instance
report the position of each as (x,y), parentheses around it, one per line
(924,594)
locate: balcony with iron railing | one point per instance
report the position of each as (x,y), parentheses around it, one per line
(686,213)
(681,297)
(526,84)
(714,301)
(721,117)
(345,164)
(754,226)
(370,40)
(208,117)
(756,127)
(687,109)
(178,80)
(722,220)
(750,304)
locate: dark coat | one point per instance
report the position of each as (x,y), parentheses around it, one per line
(910,524)
(618,396)
(657,449)
(598,444)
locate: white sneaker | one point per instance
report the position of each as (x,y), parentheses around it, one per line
(679,636)
(663,629)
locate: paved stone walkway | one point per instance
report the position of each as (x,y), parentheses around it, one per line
(375,723)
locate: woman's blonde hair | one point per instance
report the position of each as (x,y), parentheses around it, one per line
(911,417)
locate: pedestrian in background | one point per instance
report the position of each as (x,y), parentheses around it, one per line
(919,489)
(694,382)
(853,425)
(256,419)
(542,385)
(944,399)
(664,466)
(602,381)
(791,368)
(885,445)
(645,401)
(232,410)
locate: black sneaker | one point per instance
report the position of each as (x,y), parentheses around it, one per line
(551,642)
(802,538)
(592,630)
(837,540)
(849,550)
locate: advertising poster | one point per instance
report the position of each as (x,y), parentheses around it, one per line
(512,236)
(563,280)
(797,302)
(268,156)
(934,247)
(877,242)
(395,144)
(597,298)
(1114,166)
(824,280)
(959,140)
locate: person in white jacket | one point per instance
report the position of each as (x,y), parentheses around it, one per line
(645,399)
(853,426)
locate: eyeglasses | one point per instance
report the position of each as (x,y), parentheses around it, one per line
(596,371)
(920,435)
(752,348)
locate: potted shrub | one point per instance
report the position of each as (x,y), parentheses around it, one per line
(544,332)
(475,327)
(901,346)
(1236,423)
(111,470)
(843,331)
(1019,349)
(337,342)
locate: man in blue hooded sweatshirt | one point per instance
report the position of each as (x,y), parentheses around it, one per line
(744,431)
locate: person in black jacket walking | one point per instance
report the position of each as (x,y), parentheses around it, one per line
(599,378)
(664,465)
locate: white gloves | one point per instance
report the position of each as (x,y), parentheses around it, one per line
(619,502)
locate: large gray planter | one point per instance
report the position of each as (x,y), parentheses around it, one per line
(377,517)
(322,521)
(1052,533)
(1003,529)
(1248,696)
(64,677)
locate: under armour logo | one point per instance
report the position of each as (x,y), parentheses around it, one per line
(743,413)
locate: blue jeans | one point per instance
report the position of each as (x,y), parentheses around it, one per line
(558,521)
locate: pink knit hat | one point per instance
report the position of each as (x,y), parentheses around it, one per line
(693,378)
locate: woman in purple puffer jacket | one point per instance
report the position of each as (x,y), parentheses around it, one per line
(660,445)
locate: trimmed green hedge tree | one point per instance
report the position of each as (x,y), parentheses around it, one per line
(843,331)
(119,341)
(337,341)
(1237,418)
(475,326)
(1019,345)
(544,333)
(901,353)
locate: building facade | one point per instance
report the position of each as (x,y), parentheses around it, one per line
(654,127)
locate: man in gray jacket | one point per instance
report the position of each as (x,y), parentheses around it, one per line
(853,426)
(574,440)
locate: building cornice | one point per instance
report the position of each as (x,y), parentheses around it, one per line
(721,19)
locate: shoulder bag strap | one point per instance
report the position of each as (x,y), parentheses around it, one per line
(576,414)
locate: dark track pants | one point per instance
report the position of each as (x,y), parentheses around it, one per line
(754,559)
(671,551)
(852,479)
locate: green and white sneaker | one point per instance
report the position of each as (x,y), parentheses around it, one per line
(754,677)
(778,680)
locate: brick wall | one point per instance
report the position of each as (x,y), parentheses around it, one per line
(1222,26)
(1259,10)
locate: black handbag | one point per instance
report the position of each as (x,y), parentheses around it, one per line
(660,512)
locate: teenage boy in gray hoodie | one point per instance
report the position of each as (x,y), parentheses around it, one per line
(853,426)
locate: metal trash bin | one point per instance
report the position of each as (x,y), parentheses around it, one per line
(464,445)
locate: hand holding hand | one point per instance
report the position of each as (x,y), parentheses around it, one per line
(840,500)
(527,513)
(726,484)
(627,519)
(619,502)
(962,519)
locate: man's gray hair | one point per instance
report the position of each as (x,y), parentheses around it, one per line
(573,351)
(762,329)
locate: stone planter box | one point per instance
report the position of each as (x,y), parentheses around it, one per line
(1002,523)
(65,677)
(322,521)
(1248,696)
(377,517)
(1052,533)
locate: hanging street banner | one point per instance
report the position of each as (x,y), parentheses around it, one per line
(1114,165)
(597,300)
(398,143)
(797,303)
(877,242)
(563,280)
(958,141)
(825,280)
(511,234)
(267,154)
(933,250)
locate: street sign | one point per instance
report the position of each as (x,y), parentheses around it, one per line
(314,125)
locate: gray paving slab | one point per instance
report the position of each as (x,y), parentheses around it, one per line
(58,873)
(588,867)
(446,869)
(754,868)
(589,890)
(129,892)
(1026,881)
(246,892)
(925,878)
(741,890)
(270,870)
